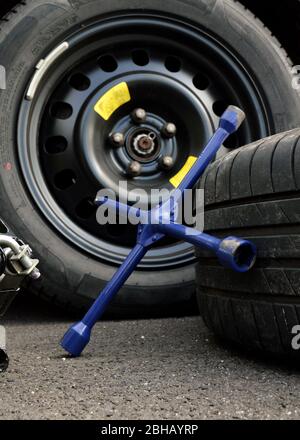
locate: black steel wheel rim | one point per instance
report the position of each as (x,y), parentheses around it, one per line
(177,73)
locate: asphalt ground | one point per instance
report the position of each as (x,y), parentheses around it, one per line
(149,369)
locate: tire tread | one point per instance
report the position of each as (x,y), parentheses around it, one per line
(265,207)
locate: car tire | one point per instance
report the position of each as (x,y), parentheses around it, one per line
(71,276)
(255,193)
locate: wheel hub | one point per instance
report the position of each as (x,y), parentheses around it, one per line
(144,144)
(160,141)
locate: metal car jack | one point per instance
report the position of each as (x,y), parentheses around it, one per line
(16,263)
(232,252)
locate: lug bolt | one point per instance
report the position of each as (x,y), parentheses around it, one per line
(139,115)
(169,130)
(167,162)
(117,139)
(134,169)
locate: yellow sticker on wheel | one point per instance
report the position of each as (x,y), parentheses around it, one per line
(176,180)
(112,100)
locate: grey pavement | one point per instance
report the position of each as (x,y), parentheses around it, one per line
(148,369)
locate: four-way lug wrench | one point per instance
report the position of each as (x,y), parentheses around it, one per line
(232,252)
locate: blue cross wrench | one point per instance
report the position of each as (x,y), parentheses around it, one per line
(232,252)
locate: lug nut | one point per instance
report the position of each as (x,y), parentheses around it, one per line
(167,162)
(117,139)
(169,130)
(134,169)
(139,115)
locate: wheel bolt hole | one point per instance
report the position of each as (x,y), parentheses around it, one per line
(232,142)
(140,57)
(86,209)
(108,63)
(56,145)
(79,82)
(173,64)
(201,82)
(61,110)
(219,107)
(65,179)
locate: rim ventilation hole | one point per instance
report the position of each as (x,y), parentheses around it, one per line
(80,82)
(65,179)
(201,82)
(108,63)
(61,110)
(232,142)
(86,209)
(173,64)
(56,145)
(219,107)
(140,57)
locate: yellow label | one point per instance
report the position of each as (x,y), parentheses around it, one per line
(176,180)
(112,100)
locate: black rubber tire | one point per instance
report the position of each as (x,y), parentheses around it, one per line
(71,278)
(255,193)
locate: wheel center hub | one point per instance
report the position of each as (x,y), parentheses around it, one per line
(144,143)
